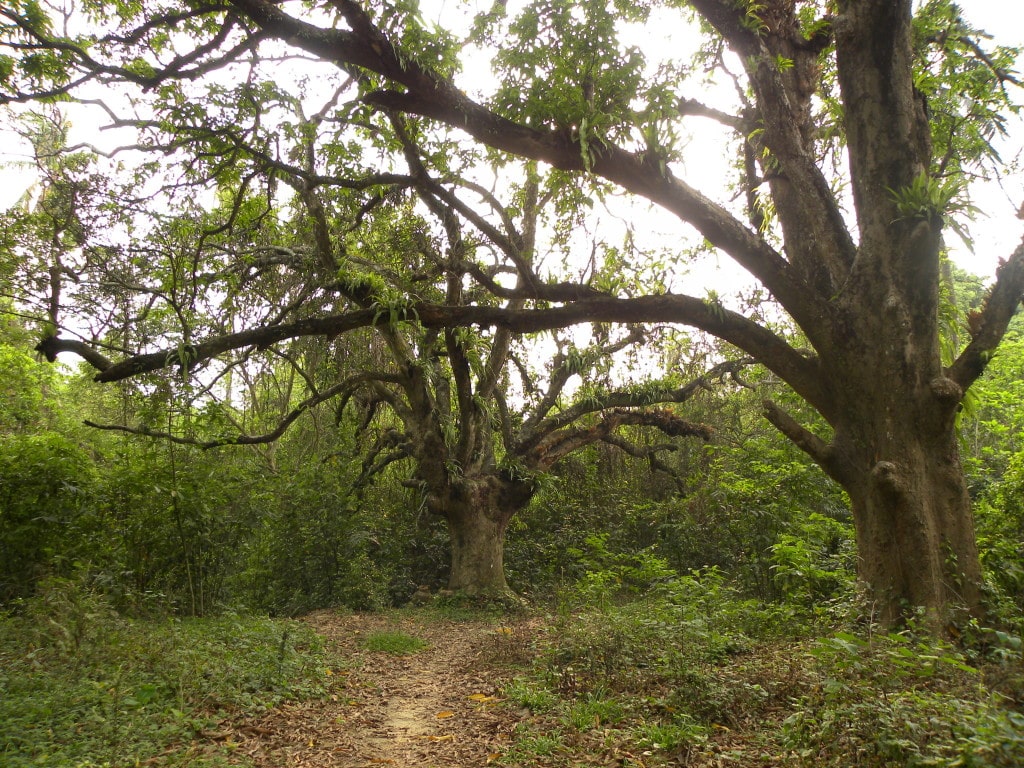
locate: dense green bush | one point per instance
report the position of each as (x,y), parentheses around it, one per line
(173,525)
(46,498)
(898,699)
(1000,526)
(82,686)
(750,504)
(310,549)
(26,382)
(991,435)
(317,542)
(813,561)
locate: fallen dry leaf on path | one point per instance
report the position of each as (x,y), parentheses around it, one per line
(380,711)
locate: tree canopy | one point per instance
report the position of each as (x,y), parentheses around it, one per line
(855,127)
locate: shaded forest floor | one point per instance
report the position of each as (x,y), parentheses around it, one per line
(581,691)
(432,707)
(690,676)
(444,706)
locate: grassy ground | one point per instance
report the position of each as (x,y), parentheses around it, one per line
(81,686)
(689,675)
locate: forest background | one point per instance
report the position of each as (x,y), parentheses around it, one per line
(698,503)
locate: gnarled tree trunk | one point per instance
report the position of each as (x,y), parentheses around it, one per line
(478,545)
(478,511)
(915,529)
(895,451)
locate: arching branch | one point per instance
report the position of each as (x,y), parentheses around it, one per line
(563,442)
(391,446)
(820,451)
(772,351)
(990,324)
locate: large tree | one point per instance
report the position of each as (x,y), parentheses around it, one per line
(855,126)
(477,413)
(478,444)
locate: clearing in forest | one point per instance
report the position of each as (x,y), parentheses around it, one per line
(622,689)
(429,707)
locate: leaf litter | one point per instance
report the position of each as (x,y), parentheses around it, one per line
(435,707)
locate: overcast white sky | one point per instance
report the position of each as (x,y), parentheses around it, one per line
(996,232)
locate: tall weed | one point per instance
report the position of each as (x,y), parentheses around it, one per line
(900,699)
(80,685)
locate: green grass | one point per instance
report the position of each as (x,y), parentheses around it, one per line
(530,744)
(671,736)
(693,671)
(531,694)
(397,643)
(82,686)
(594,712)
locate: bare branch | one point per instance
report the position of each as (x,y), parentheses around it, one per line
(267,437)
(990,323)
(693,107)
(650,454)
(51,346)
(374,463)
(820,451)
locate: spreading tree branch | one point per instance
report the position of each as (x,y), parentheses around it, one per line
(538,432)
(991,322)
(427,93)
(650,453)
(772,351)
(563,442)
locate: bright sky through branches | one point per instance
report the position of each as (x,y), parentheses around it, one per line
(995,231)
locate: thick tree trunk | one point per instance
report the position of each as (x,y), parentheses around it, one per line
(478,511)
(915,535)
(478,552)
(896,453)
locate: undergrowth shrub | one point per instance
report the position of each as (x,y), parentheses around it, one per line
(46,484)
(82,686)
(310,550)
(660,669)
(900,699)
(1000,531)
(611,577)
(813,562)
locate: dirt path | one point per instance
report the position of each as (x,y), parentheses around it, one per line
(435,707)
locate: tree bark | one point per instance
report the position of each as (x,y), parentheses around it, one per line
(915,528)
(895,447)
(916,538)
(478,511)
(478,545)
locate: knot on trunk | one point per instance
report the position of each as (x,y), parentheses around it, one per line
(887,480)
(946,391)
(948,396)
